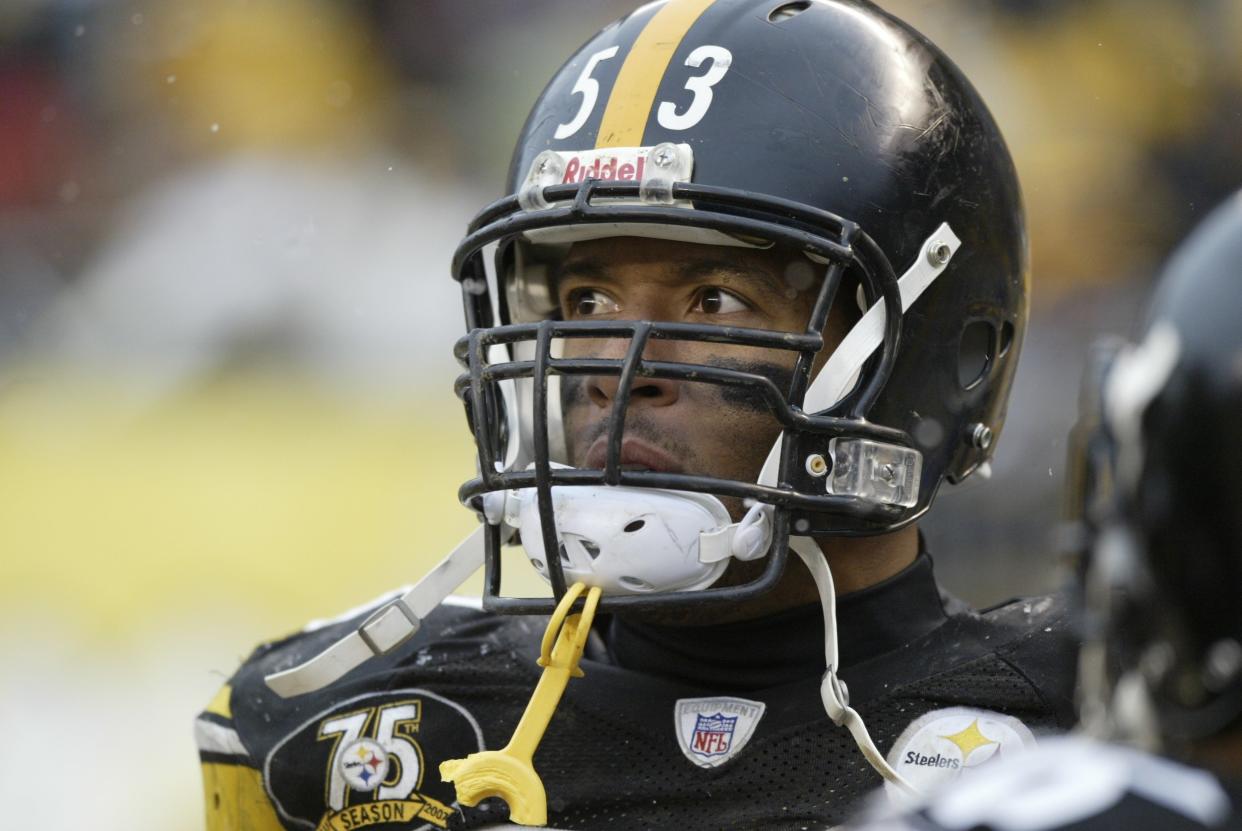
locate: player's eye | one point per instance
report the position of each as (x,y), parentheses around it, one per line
(717,301)
(587,302)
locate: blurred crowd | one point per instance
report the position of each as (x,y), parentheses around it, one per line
(190,186)
(194,190)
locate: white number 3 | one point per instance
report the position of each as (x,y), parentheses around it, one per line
(667,115)
(700,85)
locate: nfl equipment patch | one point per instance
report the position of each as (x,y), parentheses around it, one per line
(942,745)
(711,731)
(379,755)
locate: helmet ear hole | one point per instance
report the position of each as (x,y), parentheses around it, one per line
(976,351)
(1006,338)
(788,10)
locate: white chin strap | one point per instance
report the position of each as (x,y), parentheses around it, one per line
(832,690)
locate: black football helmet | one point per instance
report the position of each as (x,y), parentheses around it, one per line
(825,126)
(1163,659)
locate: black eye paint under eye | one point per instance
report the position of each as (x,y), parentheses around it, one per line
(748,398)
(574,387)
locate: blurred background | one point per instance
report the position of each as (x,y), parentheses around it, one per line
(226,320)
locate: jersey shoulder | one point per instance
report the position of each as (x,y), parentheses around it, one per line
(1027,615)
(456,629)
(364,750)
(1019,658)
(233,793)
(1039,638)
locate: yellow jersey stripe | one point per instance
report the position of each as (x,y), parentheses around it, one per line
(236,800)
(629,103)
(220,704)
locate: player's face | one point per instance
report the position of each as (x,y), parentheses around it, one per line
(679,426)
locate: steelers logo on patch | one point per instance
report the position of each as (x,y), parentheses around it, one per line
(944,745)
(364,764)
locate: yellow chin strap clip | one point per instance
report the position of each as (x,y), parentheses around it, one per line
(510,773)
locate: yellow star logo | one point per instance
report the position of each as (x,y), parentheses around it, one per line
(363,752)
(969,740)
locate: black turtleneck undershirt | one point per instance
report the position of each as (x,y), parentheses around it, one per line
(787,646)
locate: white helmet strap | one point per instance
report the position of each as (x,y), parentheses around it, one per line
(840,373)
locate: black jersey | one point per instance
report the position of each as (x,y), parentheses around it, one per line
(1072,784)
(671,727)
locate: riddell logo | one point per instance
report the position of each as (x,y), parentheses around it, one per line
(615,168)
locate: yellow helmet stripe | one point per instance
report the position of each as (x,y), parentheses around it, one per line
(629,104)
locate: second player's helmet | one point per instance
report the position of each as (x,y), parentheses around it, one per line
(1164,572)
(823,126)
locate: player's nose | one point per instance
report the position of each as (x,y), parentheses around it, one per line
(645,391)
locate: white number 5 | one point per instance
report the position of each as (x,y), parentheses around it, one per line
(700,85)
(589,88)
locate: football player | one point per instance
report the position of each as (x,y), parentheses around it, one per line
(756,293)
(1162,665)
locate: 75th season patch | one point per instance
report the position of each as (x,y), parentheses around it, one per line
(372,762)
(945,744)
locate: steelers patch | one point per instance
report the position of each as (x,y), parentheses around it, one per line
(372,762)
(944,745)
(364,763)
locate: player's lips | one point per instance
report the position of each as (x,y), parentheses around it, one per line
(635,453)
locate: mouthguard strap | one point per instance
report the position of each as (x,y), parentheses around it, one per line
(509,773)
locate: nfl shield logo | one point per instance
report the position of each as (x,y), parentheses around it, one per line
(711,731)
(712,735)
